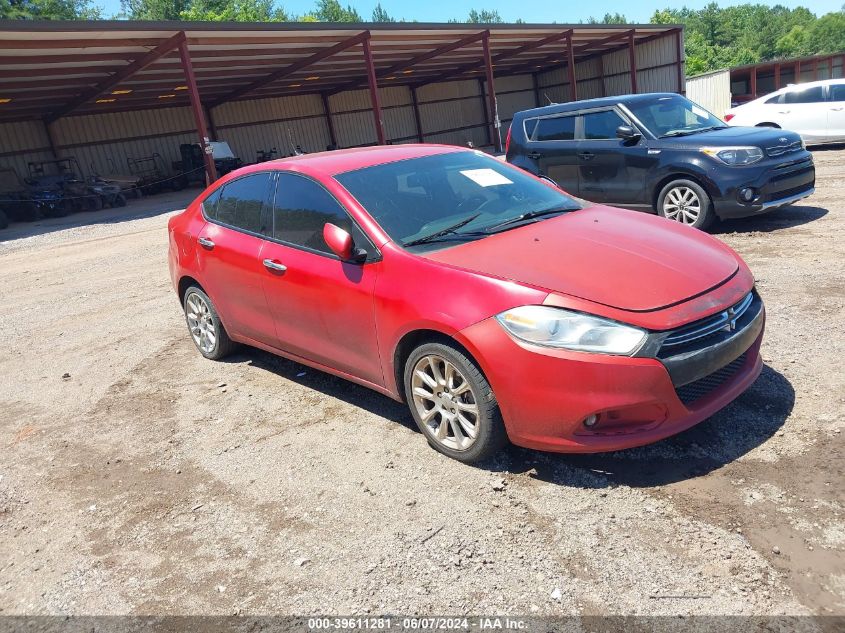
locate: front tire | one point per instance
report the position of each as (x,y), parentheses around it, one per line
(686,202)
(453,404)
(204,325)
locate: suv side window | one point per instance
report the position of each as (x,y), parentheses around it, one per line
(807,95)
(555,128)
(775,99)
(602,125)
(301,209)
(243,203)
(837,92)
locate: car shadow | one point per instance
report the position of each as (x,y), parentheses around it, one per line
(783,218)
(327,384)
(135,209)
(740,427)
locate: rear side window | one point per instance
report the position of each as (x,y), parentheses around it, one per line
(302,208)
(602,125)
(530,126)
(837,92)
(243,203)
(775,99)
(558,128)
(209,205)
(807,95)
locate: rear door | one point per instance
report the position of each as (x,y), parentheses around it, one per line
(611,170)
(228,252)
(836,112)
(552,145)
(322,307)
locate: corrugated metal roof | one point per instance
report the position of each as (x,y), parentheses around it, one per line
(47,66)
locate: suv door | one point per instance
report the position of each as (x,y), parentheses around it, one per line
(322,307)
(551,146)
(229,246)
(611,170)
(836,112)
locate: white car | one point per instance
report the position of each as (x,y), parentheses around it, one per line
(815,110)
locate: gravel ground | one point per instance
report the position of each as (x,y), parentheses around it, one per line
(139,478)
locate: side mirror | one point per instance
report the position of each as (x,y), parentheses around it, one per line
(341,244)
(627,133)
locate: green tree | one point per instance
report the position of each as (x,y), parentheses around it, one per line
(49,10)
(380,15)
(332,11)
(154,9)
(827,34)
(484,17)
(234,11)
(609,18)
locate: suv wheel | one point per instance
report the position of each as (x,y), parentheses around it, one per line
(686,202)
(453,404)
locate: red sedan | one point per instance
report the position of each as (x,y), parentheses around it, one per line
(498,307)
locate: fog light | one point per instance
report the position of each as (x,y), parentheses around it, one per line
(590,421)
(746,194)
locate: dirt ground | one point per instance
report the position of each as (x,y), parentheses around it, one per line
(137,477)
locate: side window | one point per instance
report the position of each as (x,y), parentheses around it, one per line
(602,125)
(209,205)
(530,126)
(556,128)
(775,99)
(837,92)
(807,95)
(302,208)
(242,203)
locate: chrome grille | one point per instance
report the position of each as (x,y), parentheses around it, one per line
(708,326)
(780,150)
(702,387)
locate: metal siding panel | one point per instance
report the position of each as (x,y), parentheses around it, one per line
(711,91)
(448,90)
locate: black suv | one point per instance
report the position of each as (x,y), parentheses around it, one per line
(661,153)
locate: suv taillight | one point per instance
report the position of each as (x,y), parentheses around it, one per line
(508,140)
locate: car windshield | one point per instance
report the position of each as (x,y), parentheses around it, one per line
(454,196)
(673,115)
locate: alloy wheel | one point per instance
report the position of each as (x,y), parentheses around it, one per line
(200,322)
(682,204)
(445,402)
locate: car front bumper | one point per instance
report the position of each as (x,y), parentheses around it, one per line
(774,186)
(545,395)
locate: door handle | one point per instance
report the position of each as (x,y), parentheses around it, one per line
(534,155)
(783,111)
(272,264)
(837,109)
(205,242)
(586,155)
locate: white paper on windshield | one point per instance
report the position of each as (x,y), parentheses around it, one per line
(486,177)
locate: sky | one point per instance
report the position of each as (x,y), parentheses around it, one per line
(542,11)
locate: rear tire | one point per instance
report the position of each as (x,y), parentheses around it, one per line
(119,200)
(453,404)
(204,325)
(686,202)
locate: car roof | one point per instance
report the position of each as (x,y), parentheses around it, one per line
(335,162)
(599,102)
(809,84)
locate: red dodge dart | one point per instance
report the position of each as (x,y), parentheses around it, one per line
(495,305)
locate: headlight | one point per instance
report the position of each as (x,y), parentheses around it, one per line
(735,155)
(555,327)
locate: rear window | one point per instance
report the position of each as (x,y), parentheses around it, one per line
(558,128)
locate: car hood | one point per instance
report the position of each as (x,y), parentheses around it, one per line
(764,137)
(623,259)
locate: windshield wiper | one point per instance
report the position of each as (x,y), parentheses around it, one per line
(688,132)
(442,232)
(528,215)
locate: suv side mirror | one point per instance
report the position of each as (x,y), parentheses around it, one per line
(627,133)
(341,244)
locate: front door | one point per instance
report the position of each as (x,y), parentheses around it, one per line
(836,112)
(803,111)
(227,253)
(322,307)
(612,170)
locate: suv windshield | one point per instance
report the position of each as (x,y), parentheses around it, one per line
(456,196)
(673,115)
